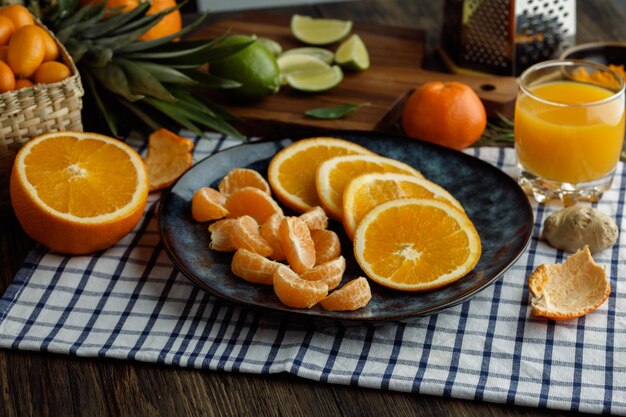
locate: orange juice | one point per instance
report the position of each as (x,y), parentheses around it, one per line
(572,136)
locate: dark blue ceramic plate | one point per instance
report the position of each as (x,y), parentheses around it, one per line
(495,203)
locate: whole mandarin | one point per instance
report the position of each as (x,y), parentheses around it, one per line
(51,72)
(7,28)
(18,14)
(27,50)
(7,79)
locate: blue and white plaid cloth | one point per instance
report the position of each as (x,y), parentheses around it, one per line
(129,302)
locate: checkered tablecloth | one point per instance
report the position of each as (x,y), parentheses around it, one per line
(129,302)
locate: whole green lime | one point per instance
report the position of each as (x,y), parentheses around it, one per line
(254,67)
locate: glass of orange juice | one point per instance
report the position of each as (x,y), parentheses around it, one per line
(569,129)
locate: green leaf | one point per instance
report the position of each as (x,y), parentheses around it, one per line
(331,113)
(175,114)
(81,14)
(121,40)
(111,24)
(143,116)
(166,74)
(76,49)
(142,46)
(207,80)
(193,56)
(143,82)
(148,21)
(113,79)
(108,117)
(218,110)
(98,56)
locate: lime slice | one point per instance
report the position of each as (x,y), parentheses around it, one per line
(272,45)
(319,53)
(315,81)
(352,54)
(319,31)
(290,64)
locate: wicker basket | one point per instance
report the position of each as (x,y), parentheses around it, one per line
(29,112)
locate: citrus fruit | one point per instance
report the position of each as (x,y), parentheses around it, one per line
(327,245)
(292,170)
(19,15)
(23,83)
(568,290)
(315,81)
(330,272)
(352,54)
(352,296)
(7,79)
(295,292)
(3,53)
(221,239)
(7,28)
(367,191)
(254,67)
(320,53)
(52,50)
(240,178)
(169,24)
(168,157)
(295,63)
(78,192)
(315,218)
(333,176)
(26,52)
(298,247)
(319,31)
(269,231)
(253,267)
(51,72)
(416,244)
(273,46)
(245,235)
(449,114)
(252,201)
(208,204)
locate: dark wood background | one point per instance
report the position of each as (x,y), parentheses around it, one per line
(36,384)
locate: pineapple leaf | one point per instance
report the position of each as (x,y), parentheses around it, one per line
(143,116)
(196,56)
(123,39)
(205,116)
(76,49)
(166,74)
(108,116)
(106,26)
(218,110)
(175,113)
(98,57)
(83,13)
(143,82)
(141,46)
(207,80)
(186,99)
(114,79)
(147,21)
(86,24)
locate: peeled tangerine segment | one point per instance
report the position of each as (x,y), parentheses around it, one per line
(568,290)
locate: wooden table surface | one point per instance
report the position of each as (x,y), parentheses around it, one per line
(37,384)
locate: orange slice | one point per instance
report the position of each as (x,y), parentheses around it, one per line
(367,191)
(327,245)
(208,204)
(352,296)
(245,235)
(315,218)
(292,170)
(416,244)
(330,272)
(253,267)
(295,292)
(269,231)
(240,178)
(221,239)
(568,290)
(168,157)
(297,245)
(77,192)
(333,176)
(252,202)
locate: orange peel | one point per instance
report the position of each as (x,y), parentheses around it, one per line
(168,157)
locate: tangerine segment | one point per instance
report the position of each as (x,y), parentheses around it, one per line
(295,292)
(240,178)
(327,245)
(253,267)
(315,218)
(78,192)
(297,244)
(252,202)
(245,235)
(292,170)
(330,272)
(221,239)
(568,290)
(416,244)
(367,191)
(352,296)
(269,231)
(208,204)
(333,176)
(168,157)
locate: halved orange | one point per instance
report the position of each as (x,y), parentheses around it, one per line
(568,290)
(367,191)
(78,192)
(333,176)
(416,244)
(292,170)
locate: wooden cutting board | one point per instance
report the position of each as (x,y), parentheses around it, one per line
(396,55)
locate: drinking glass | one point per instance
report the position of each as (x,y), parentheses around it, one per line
(569,129)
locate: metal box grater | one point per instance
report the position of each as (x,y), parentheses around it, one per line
(504,37)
